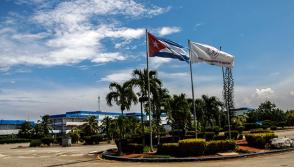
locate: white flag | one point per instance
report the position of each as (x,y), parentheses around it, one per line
(211,55)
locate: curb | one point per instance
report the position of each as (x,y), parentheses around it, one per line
(105,155)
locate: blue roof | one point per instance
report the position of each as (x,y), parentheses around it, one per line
(14,122)
(84,114)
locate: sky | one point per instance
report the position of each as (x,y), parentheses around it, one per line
(58,56)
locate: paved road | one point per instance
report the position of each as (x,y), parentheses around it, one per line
(11,156)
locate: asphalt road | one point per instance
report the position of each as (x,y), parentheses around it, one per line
(12,156)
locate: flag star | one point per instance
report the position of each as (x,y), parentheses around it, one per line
(155,44)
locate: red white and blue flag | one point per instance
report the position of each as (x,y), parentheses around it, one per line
(166,48)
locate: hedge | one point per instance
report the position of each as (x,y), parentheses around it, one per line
(259,140)
(168,149)
(47,140)
(194,147)
(234,134)
(190,147)
(213,147)
(90,140)
(261,131)
(35,143)
(13,140)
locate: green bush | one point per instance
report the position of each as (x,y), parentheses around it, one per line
(47,140)
(74,137)
(213,147)
(249,126)
(189,147)
(13,140)
(132,148)
(261,131)
(274,128)
(240,129)
(215,129)
(234,134)
(259,140)
(35,143)
(58,140)
(168,149)
(90,140)
(220,137)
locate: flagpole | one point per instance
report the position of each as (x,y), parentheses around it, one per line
(192,86)
(225,99)
(148,80)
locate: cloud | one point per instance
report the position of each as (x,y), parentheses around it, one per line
(168,30)
(72,31)
(292,93)
(266,92)
(118,76)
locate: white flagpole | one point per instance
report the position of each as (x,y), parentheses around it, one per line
(149,102)
(192,86)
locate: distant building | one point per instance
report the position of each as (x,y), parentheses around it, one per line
(63,123)
(242,111)
(8,127)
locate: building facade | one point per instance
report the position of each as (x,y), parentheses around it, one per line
(63,123)
(9,127)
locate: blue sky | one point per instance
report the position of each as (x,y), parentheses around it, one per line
(58,56)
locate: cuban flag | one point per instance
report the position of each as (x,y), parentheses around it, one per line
(166,48)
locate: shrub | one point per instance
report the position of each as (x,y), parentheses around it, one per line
(47,140)
(189,147)
(132,148)
(213,147)
(58,140)
(234,134)
(35,143)
(261,131)
(249,126)
(240,129)
(215,129)
(13,140)
(90,140)
(259,140)
(168,149)
(74,137)
(267,123)
(220,137)
(169,139)
(274,128)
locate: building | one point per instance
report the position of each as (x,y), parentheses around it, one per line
(63,123)
(8,127)
(242,111)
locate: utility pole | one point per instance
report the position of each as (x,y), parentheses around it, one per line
(99,103)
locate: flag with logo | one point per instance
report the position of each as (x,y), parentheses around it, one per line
(209,54)
(165,48)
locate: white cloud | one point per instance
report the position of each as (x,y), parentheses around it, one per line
(168,30)
(70,35)
(266,92)
(118,76)
(292,93)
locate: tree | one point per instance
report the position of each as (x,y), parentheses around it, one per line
(140,80)
(211,111)
(90,127)
(290,117)
(26,130)
(123,95)
(46,125)
(180,115)
(106,126)
(266,111)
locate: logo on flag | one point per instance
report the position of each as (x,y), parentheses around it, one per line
(210,55)
(166,48)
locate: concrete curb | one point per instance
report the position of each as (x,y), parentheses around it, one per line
(107,156)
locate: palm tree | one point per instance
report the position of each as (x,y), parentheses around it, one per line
(140,80)
(90,127)
(123,95)
(46,125)
(212,108)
